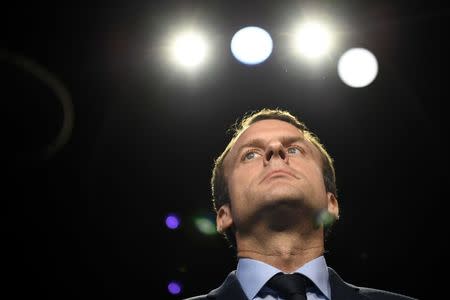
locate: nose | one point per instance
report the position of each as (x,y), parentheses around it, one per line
(275,150)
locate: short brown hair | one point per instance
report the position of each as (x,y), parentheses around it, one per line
(219,185)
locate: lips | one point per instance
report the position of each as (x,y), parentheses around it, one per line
(278,172)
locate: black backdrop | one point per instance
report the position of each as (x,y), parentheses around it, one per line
(87,221)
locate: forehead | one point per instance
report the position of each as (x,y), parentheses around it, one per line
(267,129)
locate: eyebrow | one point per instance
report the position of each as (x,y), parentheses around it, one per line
(259,143)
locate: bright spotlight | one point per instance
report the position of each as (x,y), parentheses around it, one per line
(189,49)
(357,67)
(312,40)
(251,45)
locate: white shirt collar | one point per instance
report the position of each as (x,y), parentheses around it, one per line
(253,275)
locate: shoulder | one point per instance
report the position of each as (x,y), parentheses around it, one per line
(381,294)
(343,290)
(197,297)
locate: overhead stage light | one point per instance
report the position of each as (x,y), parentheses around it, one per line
(251,45)
(357,67)
(312,40)
(189,49)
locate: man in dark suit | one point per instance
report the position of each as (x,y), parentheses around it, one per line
(274,192)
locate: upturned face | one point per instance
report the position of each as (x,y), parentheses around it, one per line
(272,163)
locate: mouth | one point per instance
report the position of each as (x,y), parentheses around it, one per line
(278,173)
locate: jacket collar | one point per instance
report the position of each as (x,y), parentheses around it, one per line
(230,289)
(342,290)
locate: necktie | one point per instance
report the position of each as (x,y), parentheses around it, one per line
(290,286)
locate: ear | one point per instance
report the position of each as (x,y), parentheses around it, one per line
(224,219)
(333,205)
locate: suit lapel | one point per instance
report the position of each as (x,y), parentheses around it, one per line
(343,290)
(230,289)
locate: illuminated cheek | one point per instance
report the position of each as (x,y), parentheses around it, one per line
(314,176)
(232,190)
(239,184)
(318,179)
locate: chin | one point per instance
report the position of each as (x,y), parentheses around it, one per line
(282,196)
(283,190)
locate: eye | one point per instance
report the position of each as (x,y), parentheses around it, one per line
(294,150)
(250,154)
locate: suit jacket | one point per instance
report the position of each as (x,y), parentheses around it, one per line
(340,290)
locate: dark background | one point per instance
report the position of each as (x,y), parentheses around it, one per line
(87,221)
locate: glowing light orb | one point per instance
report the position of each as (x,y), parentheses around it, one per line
(189,50)
(172,221)
(324,218)
(251,45)
(205,225)
(357,67)
(174,287)
(313,40)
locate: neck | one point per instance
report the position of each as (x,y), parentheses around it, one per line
(286,251)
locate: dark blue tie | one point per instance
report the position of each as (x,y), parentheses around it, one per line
(290,286)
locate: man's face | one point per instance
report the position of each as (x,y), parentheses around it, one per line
(271,163)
